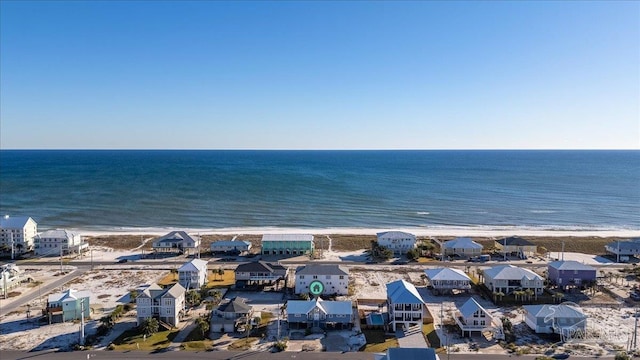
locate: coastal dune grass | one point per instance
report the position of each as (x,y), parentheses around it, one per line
(133,339)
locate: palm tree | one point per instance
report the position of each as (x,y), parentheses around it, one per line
(203,326)
(150,326)
(529,293)
(221,273)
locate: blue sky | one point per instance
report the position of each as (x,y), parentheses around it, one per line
(320,75)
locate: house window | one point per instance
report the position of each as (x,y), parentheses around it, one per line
(301,276)
(341,277)
(315,276)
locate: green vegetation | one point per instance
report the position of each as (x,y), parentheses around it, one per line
(243,344)
(134,339)
(150,326)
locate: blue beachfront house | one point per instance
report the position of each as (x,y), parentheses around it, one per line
(68,306)
(570,273)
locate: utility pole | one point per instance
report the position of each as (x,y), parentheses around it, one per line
(91,251)
(635,332)
(82,321)
(563,250)
(12,248)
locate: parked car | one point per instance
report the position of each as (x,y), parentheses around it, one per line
(122,261)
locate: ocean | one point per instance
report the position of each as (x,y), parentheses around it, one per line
(218,189)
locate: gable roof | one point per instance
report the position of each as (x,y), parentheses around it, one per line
(327,307)
(561,310)
(194,265)
(14,222)
(402,292)
(57,234)
(154,291)
(68,295)
(446,274)
(235,305)
(631,244)
(510,272)
(259,266)
(462,243)
(471,306)
(570,265)
(514,241)
(322,269)
(175,237)
(287,237)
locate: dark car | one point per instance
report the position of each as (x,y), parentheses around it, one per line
(560,356)
(122,261)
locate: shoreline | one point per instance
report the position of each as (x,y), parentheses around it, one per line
(456,231)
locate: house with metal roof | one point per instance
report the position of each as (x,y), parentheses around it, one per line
(446,280)
(17,233)
(177,242)
(165,304)
(259,273)
(472,317)
(570,273)
(398,353)
(397,241)
(333,278)
(230,314)
(67,306)
(287,244)
(564,319)
(193,274)
(320,314)
(509,278)
(515,246)
(624,248)
(405,304)
(58,242)
(463,246)
(230,246)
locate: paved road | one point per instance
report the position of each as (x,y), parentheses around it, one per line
(6,306)
(230,355)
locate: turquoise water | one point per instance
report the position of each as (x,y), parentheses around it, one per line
(319,189)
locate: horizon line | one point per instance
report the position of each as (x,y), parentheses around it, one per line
(319,149)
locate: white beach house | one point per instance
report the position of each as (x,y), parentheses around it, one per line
(334,278)
(509,278)
(397,241)
(463,246)
(193,275)
(472,317)
(166,305)
(17,233)
(445,280)
(58,242)
(177,242)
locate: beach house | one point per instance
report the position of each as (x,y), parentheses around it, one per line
(472,317)
(230,314)
(564,319)
(333,279)
(570,273)
(287,244)
(68,306)
(463,246)
(193,275)
(623,249)
(406,306)
(397,241)
(230,247)
(515,246)
(178,242)
(319,314)
(446,280)
(259,273)
(509,278)
(166,305)
(58,242)
(17,233)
